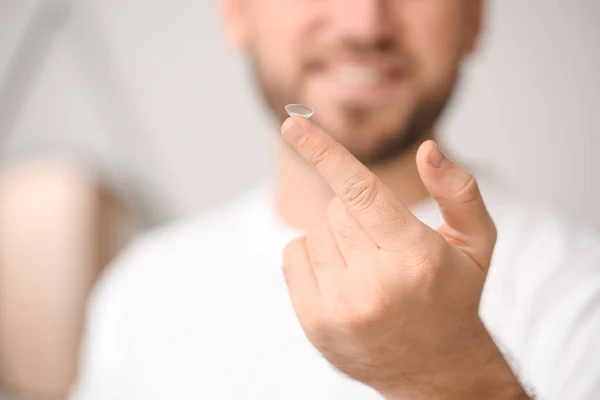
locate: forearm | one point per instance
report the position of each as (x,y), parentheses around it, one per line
(51,250)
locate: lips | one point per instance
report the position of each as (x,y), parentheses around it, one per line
(368,79)
(358,82)
(357,75)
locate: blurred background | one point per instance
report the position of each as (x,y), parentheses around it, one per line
(116,115)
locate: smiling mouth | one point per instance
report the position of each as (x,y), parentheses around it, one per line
(354,74)
(359,82)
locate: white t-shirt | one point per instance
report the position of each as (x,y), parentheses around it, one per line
(200,310)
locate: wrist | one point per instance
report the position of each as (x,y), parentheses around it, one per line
(495,381)
(484,390)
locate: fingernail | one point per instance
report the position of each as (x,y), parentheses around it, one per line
(437,158)
(293,132)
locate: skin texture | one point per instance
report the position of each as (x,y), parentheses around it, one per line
(387,300)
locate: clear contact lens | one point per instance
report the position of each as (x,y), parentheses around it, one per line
(299,110)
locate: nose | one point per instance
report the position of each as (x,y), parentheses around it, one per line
(366,21)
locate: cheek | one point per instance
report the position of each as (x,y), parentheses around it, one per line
(432,36)
(278,34)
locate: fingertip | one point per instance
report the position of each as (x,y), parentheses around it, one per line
(292,121)
(294,248)
(424,151)
(437,159)
(293,132)
(431,160)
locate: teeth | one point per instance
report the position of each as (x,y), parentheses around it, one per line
(358,75)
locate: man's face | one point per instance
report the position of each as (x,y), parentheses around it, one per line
(377,72)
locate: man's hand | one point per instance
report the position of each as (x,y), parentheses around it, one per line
(387,300)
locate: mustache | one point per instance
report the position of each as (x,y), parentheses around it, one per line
(385,53)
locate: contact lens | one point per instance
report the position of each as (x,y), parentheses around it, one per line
(299,110)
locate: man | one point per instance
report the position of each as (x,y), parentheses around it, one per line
(376,303)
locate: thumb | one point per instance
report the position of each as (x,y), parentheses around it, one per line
(468,225)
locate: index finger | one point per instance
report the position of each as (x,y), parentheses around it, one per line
(384,218)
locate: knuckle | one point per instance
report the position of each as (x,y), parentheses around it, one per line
(420,276)
(454,237)
(413,240)
(316,252)
(422,264)
(360,191)
(320,155)
(418,264)
(469,191)
(318,259)
(346,234)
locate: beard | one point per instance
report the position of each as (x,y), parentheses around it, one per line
(401,139)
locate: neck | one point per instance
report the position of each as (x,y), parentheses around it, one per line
(302,195)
